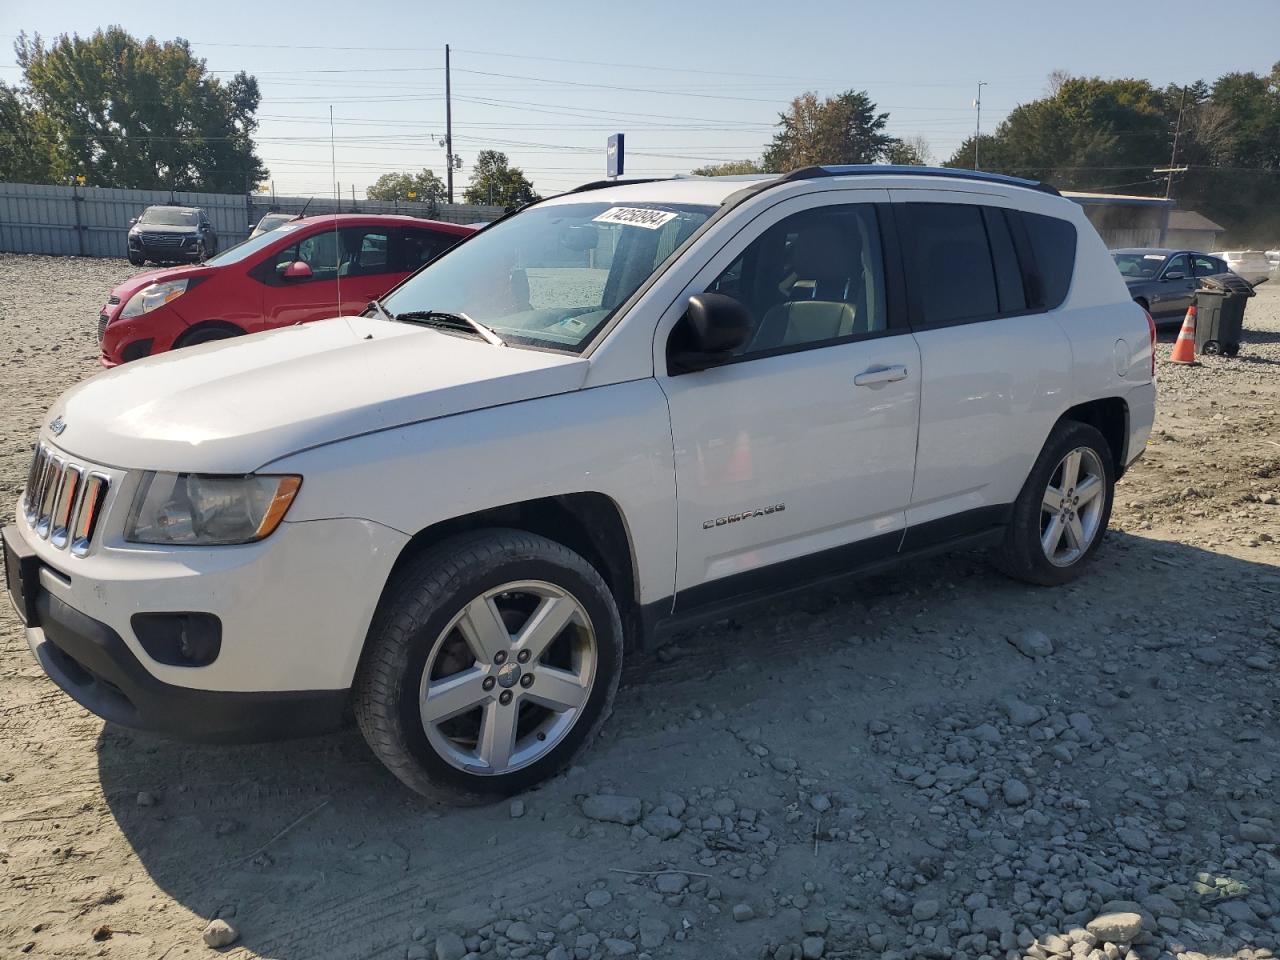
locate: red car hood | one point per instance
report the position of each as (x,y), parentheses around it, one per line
(135,283)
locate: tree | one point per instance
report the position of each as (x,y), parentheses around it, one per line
(913,152)
(27,153)
(136,113)
(397,186)
(496,183)
(840,129)
(733,168)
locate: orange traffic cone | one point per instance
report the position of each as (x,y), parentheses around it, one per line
(1184,350)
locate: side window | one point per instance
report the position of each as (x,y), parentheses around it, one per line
(813,278)
(365,251)
(1179,264)
(1009,287)
(1208,266)
(949,262)
(419,247)
(1053,245)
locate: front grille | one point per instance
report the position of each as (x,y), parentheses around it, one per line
(113,300)
(63,500)
(165,240)
(102,326)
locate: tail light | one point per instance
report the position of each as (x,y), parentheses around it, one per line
(1151,329)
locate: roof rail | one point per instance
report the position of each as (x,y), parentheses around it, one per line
(602,184)
(955,173)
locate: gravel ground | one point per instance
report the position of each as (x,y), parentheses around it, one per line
(933,763)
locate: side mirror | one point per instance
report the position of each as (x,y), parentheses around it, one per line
(133,221)
(298,270)
(714,326)
(1174,275)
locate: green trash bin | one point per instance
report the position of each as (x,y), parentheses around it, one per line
(1220,303)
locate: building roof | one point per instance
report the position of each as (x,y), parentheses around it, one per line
(1190,220)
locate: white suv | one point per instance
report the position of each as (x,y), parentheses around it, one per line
(614,411)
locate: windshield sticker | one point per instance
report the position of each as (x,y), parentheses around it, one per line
(1153,256)
(636,217)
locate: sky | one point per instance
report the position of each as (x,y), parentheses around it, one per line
(689,83)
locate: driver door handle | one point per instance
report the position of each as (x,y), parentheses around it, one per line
(874,375)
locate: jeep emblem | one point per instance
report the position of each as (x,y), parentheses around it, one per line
(57,426)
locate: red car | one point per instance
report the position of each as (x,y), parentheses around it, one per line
(293,274)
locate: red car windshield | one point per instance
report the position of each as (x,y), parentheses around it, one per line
(247,248)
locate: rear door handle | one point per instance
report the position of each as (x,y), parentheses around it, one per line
(874,375)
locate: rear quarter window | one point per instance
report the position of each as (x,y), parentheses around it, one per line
(1053,244)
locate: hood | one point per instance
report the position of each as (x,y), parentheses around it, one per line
(233,405)
(135,283)
(184,228)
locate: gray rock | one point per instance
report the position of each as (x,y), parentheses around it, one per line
(812,948)
(820,803)
(598,898)
(976,797)
(1022,714)
(1238,910)
(742,912)
(619,948)
(449,946)
(1257,831)
(1033,643)
(612,809)
(992,922)
(1210,655)
(1016,793)
(146,799)
(517,809)
(653,932)
(1133,838)
(671,883)
(1115,927)
(925,909)
(1073,901)
(557,953)
(662,826)
(521,932)
(219,933)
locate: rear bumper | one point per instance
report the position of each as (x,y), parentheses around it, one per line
(94,666)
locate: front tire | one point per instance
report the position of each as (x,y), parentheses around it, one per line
(1061,515)
(493,661)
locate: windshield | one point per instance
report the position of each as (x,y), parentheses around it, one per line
(1139,266)
(169,217)
(247,248)
(552,275)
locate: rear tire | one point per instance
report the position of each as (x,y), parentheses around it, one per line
(460,694)
(1061,515)
(136,261)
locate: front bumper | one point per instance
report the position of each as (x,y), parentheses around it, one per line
(294,610)
(96,668)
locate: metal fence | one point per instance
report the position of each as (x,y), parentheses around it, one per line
(94,221)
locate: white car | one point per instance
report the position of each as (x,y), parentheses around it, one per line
(619,410)
(1253,265)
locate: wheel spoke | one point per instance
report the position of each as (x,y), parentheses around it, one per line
(545,624)
(557,689)
(482,627)
(497,735)
(1052,535)
(1089,488)
(1070,469)
(453,695)
(1075,533)
(1052,500)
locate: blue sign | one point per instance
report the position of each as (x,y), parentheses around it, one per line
(614,153)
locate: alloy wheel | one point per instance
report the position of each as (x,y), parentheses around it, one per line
(508,678)
(1071,508)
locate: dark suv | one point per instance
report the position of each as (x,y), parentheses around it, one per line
(171,235)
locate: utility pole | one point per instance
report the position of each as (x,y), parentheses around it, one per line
(977,128)
(1173,157)
(448,124)
(333,158)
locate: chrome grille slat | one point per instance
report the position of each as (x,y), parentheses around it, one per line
(63,500)
(102,326)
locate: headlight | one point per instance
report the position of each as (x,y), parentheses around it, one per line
(201,510)
(155,295)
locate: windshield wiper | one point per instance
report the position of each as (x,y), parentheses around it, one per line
(456,320)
